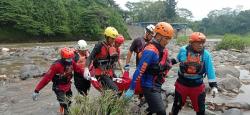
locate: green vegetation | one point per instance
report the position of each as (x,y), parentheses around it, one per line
(150,11)
(226,20)
(232,41)
(58,19)
(101,105)
(182,40)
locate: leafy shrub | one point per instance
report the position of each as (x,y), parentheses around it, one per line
(231,41)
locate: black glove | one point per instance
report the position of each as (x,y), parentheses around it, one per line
(173,61)
(167,66)
(212,84)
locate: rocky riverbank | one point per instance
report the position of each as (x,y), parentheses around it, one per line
(22,65)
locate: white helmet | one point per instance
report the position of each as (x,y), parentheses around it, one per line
(82,45)
(150,28)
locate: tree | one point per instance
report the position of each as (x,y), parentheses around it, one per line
(147,11)
(85,19)
(171,10)
(184,13)
(227,20)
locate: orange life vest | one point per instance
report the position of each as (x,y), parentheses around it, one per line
(104,61)
(193,66)
(81,60)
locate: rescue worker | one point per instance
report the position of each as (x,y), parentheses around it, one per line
(153,67)
(81,54)
(138,45)
(60,72)
(118,42)
(104,56)
(195,63)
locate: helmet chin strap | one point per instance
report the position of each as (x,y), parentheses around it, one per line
(194,50)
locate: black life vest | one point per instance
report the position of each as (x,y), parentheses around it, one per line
(65,77)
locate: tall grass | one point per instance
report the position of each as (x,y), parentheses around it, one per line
(231,41)
(107,104)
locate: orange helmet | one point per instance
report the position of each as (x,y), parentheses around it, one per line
(165,29)
(197,37)
(120,39)
(66,53)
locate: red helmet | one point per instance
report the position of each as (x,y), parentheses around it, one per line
(197,37)
(66,53)
(120,39)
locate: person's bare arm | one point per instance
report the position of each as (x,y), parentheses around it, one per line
(128,57)
(120,65)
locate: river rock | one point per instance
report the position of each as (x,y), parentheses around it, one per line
(5,49)
(229,83)
(247,66)
(222,71)
(245,61)
(233,111)
(208,112)
(28,71)
(246,81)
(242,55)
(3,77)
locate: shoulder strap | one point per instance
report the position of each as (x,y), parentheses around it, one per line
(105,45)
(188,49)
(76,57)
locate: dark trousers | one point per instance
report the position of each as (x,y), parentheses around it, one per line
(107,83)
(82,85)
(64,99)
(154,100)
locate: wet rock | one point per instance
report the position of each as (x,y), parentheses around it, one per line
(245,61)
(233,111)
(3,70)
(3,77)
(5,49)
(229,83)
(218,59)
(5,56)
(32,71)
(242,55)
(222,71)
(3,107)
(243,105)
(247,50)
(247,66)
(208,112)
(245,81)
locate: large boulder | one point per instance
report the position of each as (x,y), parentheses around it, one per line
(222,71)
(233,111)
(31,71)
(229,83)
(245,61)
